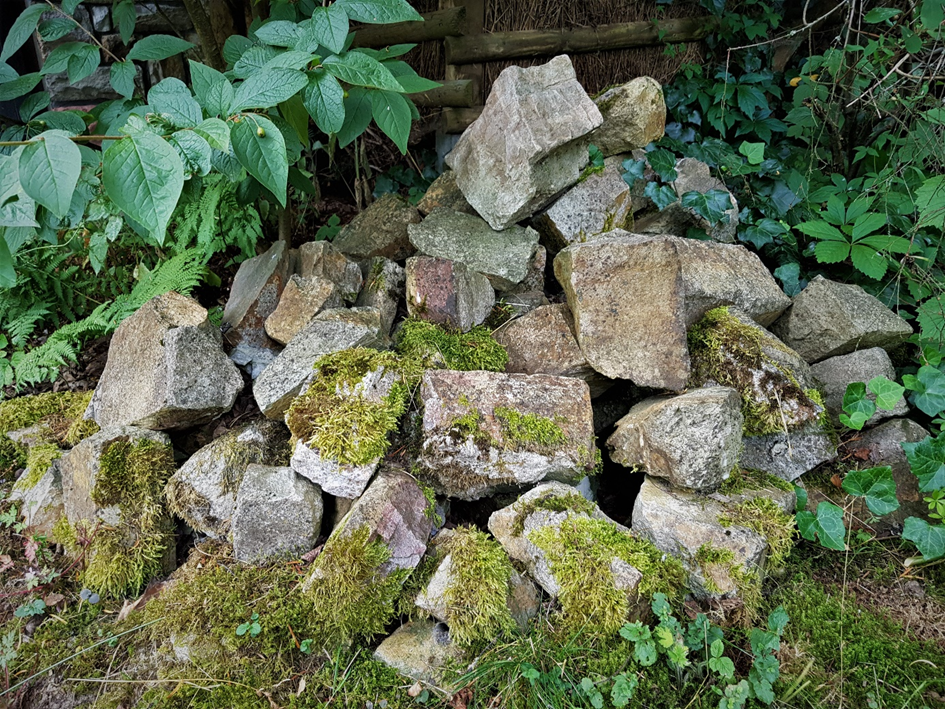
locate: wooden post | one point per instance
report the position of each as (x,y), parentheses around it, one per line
(475,19)
(435,25)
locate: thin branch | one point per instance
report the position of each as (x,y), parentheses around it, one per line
(879,83)
(795,31)
(85,31)
(73,138)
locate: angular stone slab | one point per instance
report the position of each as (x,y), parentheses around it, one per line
(420,650)
(384,288)
(789,455)
(834,374)
(447,292)
(693,440)
(470,450)
(330,331)
(166,369)
(302,299)
(527,145)
(278,514)
(501,256)
(203,491)
(634,116)
(379,230)
(829,319)
(41,505)
(445,193)
(321,259)
(254,296)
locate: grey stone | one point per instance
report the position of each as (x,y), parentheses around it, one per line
(80,468)
(330,331)
(252,358)
(599,203)
(447,292)
(321,259)
(836,373)
(444,192)
(679,523)
(254,296)
(101,19)
(634,116)
(829,319)
(420,650)
(693,440)
(482,453)
(41,504)
(527,145)
(92,89)
(789,455)
(542,342)
(502,256)
(380,230)
(302,299)
(384,288)
(520,303)
(277,514)
(534,277)
(166,369)
(203,491)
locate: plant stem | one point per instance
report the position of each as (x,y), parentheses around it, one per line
(84,31)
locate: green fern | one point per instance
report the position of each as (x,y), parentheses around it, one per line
(216,221)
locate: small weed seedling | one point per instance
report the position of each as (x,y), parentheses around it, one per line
(251,627)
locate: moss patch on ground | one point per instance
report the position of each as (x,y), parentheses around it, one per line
(433,346)
(747,479)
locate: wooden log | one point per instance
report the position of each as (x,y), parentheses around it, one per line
(539,43)
(475,21)
(435,25)
(451,93)
(456,120)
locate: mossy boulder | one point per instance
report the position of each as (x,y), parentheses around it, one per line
(486,432)
(203,491)
(421,650)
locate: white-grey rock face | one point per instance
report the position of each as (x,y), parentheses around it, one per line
(302,299)
(419,650)
(254,295)
(527,145)
(380,230)
(40,505)
(834,374)
(789,455)
(634,116)
(322,260)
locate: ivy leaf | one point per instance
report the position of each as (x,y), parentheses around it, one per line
(801,495)
(755,152)
(710,205)
(929,387)
(279,33)
(21,30)
(928,539)
(215,132)
(790,276)
(663,163)
(49,170)
(143,176)
(267,88)
(361,70)
(635,170)
(392,115)
(157,47)
(826,525)
(324,101)
(329,28)
(876,485)
(379,11)
(263,156)
(124,15)
(122,78)
(661,196)
(172,98)
(927,462)
(762,232)
(888,393)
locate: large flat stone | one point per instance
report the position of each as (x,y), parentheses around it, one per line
(379,230)
(254,296)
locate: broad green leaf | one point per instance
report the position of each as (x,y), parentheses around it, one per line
(293,146)
(324,101)
(122,76)
(662,195)
(801,495)
(887,242)
(929,387)
(55,28)
(7,73)
(831,251)
(822,230)
(203,78)
(215,132)
(868,261)
(778,620)
(357,115)
(826,525)
(392,115)
(235,46)
(876,485)
(868,223)
(927,462)
(296,116)
(931,319)
(929,539)
(83,63)
(69,6)
(21,30)
(932,14)
(49,170)
(144,176)
(172,98)
(267,88)
(263,155)
(379,11)
(124,17)
(387,53)
(193,150)
(279,33)
(930,201)
(858,207)
(329,27)
(7,269)
(157,47)
(855,420)
(219,98)
(836,214)
(710,205)
(888,393)
(253,60)
(755,152)
(880,14)
(98,250)
(663,163)
(360,70)
(58,59)
(414,84)
(301,182)
(289,60)
(33,104)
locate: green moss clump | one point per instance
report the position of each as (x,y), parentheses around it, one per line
(726,351)
(431,345)
(745,479)
(571,502)
(478,592)
(353,596)
(715,561)
(765,518)
(417,581)
(529,431)
(588,171)
(580,552)
(334,416)
(38,460)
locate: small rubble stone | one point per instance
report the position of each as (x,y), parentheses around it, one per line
(41,504)
(420,650)
(836,373)
(321,259)
(447,292)
(634,116)
(253,360)
(384,288)
(379,230)
(445,193)
(166,369)
(485,432)
(526,146)
(503,257)
(693,440)
(829,319)
(277,514)
(203,490)
(254,296)
(789,455)
(302,299)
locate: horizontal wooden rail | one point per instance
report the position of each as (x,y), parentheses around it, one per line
(457,93)
(472,49)
(435,25)
(456,120)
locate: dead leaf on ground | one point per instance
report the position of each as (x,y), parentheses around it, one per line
(150,592)
(462,698)
(415,689)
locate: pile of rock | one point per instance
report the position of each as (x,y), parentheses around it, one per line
(723,386)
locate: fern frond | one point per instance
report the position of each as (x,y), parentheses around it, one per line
(23,326)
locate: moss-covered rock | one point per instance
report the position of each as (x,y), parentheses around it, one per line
(436,347)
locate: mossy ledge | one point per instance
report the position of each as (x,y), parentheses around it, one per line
(765,518)
(571,502)
(747,479)
(433,346)
(715,561)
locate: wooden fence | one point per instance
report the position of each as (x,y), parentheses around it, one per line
(459,25)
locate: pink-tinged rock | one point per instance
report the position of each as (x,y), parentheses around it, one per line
(447,292)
